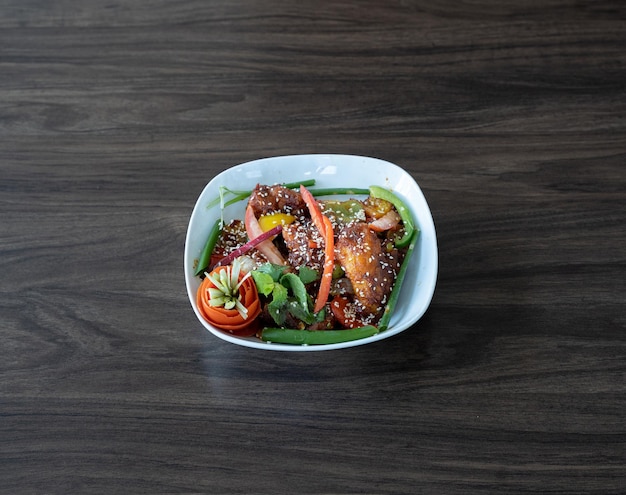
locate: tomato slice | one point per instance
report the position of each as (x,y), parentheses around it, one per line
(344,313)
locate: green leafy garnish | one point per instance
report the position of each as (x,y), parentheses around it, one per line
(293,282)
(264,282)
(308,275)
(279,300)
(287,292)
(274,271)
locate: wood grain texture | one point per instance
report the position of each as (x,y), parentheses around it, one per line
(510,116)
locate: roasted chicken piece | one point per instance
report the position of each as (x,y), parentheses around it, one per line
(277,198)
(370,269)
(233,236)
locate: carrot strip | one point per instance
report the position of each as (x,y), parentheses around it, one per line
(314,209)
(325,228)
(329,264)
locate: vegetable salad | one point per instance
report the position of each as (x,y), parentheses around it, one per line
(306,270)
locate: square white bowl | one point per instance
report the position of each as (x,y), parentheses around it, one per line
(346,171)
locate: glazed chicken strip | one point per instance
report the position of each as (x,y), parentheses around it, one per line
(270,199)
(369,269)
(298,237)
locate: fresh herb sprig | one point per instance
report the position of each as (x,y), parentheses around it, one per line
(286,292)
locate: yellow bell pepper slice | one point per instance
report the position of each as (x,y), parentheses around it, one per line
(268,222)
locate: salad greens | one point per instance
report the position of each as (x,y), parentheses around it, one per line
(287,292)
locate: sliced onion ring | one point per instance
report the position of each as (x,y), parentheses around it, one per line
(256,242)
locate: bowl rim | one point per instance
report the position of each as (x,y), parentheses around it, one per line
(319,163)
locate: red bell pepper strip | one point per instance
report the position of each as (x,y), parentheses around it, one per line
(329,265)
(314,209)
(325,228)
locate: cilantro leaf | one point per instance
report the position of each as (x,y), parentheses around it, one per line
(274,271)
(297,311)
(293,282)
(276,307)
(308,275)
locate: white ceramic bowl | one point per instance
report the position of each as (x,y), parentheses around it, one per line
(328,171)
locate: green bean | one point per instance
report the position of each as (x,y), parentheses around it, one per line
(337,190)
(205,256)
(395,292)
(296,185)
(241,195)
(316,337)
(401,208)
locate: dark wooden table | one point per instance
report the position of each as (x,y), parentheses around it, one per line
(510,115)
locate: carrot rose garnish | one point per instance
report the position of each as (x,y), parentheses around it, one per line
(228,299)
